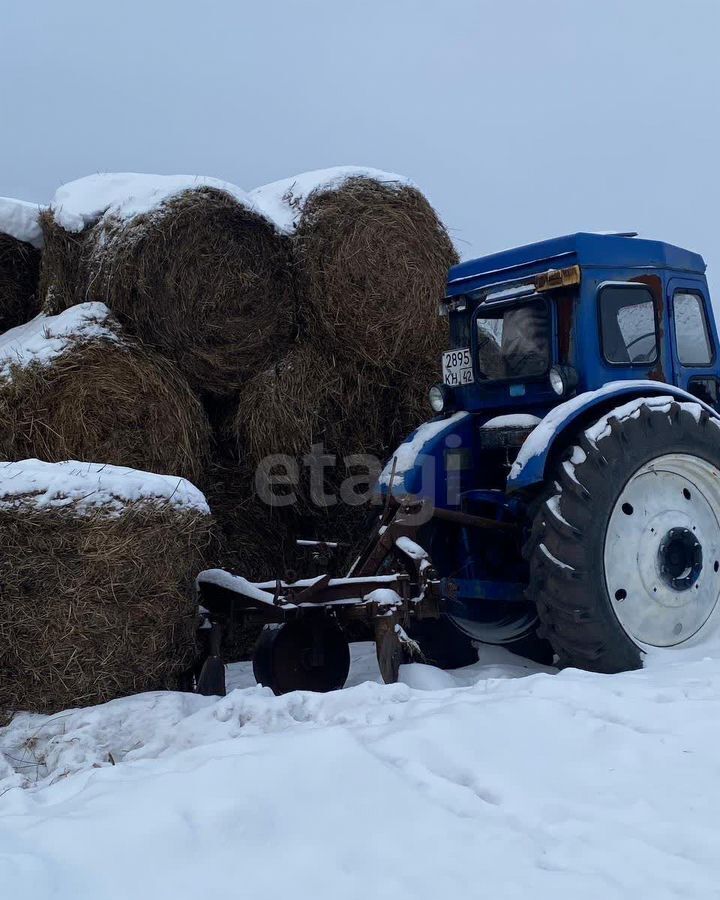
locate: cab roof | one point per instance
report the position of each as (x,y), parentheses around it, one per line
(614,251)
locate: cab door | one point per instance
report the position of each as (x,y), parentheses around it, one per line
(693,338)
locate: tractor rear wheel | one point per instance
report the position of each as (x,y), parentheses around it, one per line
(625,553)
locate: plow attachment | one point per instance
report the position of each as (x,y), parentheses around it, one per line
(305,646)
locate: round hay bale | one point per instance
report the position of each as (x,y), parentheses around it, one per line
(311,399)
(201,278)
(97,575)
(372,260)
(285,409)
(311,405)
(60,265)
(19,272)
(72,387)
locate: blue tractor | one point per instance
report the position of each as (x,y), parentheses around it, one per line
(564,501)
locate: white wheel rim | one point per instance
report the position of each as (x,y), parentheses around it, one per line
(666,517)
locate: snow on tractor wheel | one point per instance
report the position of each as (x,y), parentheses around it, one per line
(625,554)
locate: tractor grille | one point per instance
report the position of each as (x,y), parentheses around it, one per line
(498,438)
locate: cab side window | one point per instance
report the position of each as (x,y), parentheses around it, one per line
(628,325)
(691,331)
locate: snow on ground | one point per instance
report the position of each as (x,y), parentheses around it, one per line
(19,219)
(282,201)
(124,195)
(87,486)
(44,338)
(484,784)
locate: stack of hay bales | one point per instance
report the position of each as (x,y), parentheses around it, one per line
(97,570)
(20,243)
(371,259)
(194,272)
(302,314)
(191,329)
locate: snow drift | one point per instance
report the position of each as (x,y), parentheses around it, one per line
(543,786)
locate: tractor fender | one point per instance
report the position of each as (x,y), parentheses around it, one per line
(530,464)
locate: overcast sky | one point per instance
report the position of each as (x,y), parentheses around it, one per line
(520,119)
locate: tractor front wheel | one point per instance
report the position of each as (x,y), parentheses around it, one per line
(625,554)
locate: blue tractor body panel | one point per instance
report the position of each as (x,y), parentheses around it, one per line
(455,458)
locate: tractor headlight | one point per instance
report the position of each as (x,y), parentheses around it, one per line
(556,381)
(438,395)
(563,379)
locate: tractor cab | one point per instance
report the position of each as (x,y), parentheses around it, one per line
(532,326)
(545,326)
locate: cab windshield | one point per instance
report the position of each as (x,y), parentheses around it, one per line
(513,342)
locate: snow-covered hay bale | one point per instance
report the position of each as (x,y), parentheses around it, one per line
(60,265)
(371,259)
(188,265)
(20,242)
(97,575)
(73,387)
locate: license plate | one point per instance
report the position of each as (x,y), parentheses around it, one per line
(457,367)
